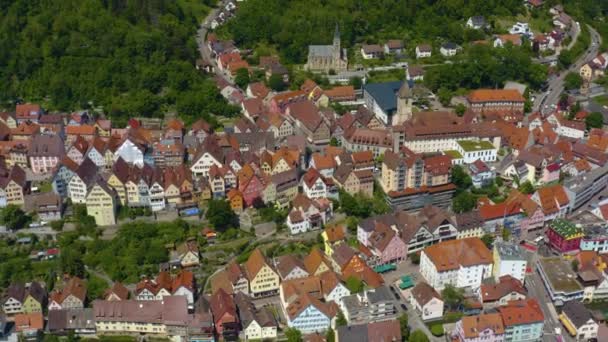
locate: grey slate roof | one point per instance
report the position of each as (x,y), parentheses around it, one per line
(71,319)
(384,94)
(577,312)
(321,50)
(353,333)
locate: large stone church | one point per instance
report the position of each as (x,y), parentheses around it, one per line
(327,57)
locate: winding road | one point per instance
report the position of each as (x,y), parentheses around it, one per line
(545,101)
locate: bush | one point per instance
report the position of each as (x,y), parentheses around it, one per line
(437,329)
(57,225)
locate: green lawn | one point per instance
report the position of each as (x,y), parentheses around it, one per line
(471,146)
(198,8)
(386,76)
(603,100)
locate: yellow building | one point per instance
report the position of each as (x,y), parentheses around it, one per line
(263,279)
(586,72)
(35,298)
(101,203)
(166,318)
(331,237)
(16,187)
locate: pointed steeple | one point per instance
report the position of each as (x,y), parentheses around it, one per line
(337,32)
(404,91)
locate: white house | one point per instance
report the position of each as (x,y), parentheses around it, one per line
(307,214)
(183,285)
(476,22)
(308,314)
(521,28)
(202,164)
(426,301)
(476,150)
(97,154)
(289,267)
(423,51)
(313,184)
(258,325)
(333,289)
(509,259)
(578,321)
(157,196)
(449,49)
(131,152)
(462,263)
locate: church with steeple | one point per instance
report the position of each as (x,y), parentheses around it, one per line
(327,57)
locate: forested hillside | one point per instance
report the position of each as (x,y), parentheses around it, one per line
(294,24)
(133,57)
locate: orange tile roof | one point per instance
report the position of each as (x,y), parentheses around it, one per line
(515,39)
(485,95)
(313,260)
(450,255)
(341,92)
(323,162)
(552,196)
(474,325)
(80,130)
(254,264)
(520,312)
(494,211)
(335,233)
(29,321)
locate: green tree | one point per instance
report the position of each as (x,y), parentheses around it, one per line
(333,141)
(506,234)
(575,265)
(403,324)
(460,178)
(57,225)
(445,96)
(573,81)
(418,336)
(356,82)
(242,78)
(488,240)
(340,319)
(526,188)
(220,215)
(71,262)
(594,120)
(276,83)
(464,202)
(354,285)
(330,336)
(95,287)
(13,217)
(452,296)
(293,335)
(460,109)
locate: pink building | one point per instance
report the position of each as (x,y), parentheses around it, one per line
(550,173)
(45,152)
(480,328)
(251,189)
(386,245)
(564,236)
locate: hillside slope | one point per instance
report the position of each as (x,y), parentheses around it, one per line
(293,25)
(133,57)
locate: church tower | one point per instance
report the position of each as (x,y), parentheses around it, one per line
(404,104)
(337,47)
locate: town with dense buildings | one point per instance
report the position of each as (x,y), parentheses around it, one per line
(324,211)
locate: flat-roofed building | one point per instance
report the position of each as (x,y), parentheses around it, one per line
(559,279)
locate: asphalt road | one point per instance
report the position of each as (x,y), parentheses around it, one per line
(536,289)
(201,39)
(556,84)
